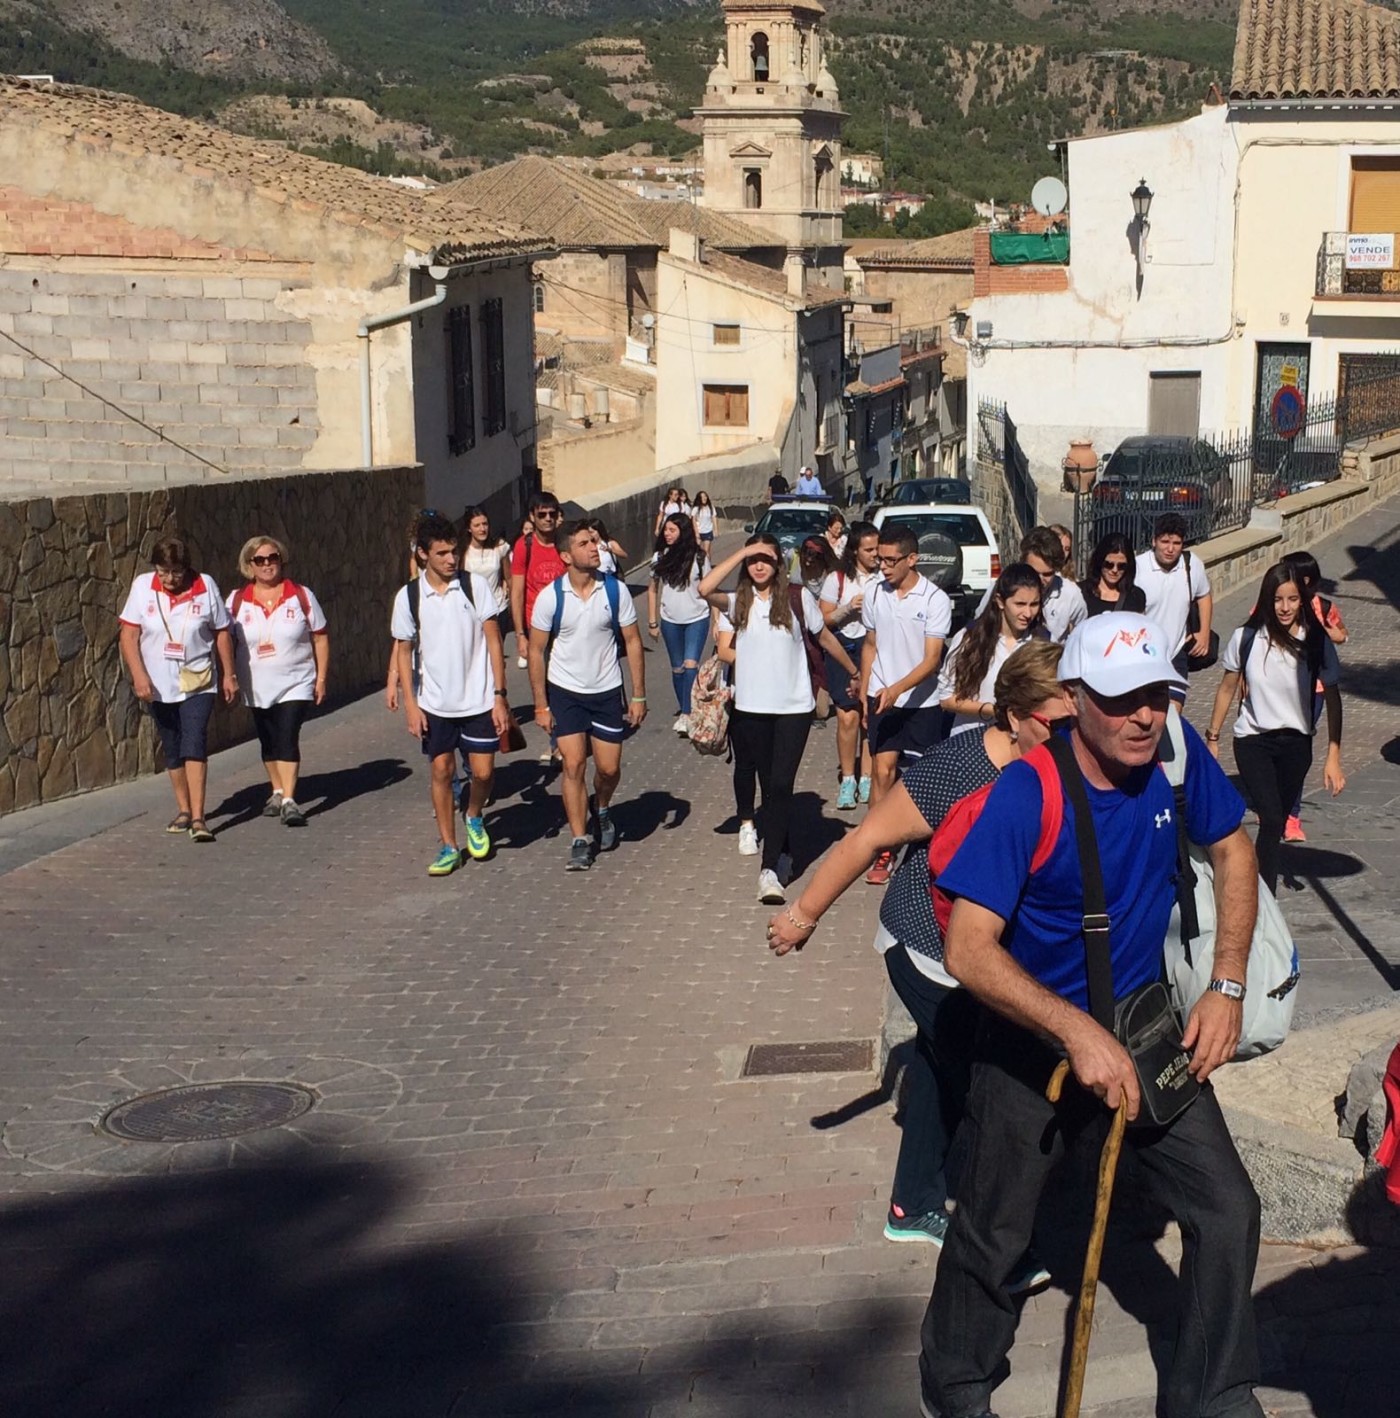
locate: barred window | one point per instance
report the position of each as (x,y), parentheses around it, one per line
(461,404)
(493,355)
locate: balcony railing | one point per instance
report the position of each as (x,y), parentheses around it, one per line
(1353,263)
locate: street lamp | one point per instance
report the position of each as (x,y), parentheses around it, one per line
(1142,204)
(1142,201)
(959,321)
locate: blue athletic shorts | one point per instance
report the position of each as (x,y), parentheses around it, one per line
(474,734)
(599,715)
(909,732)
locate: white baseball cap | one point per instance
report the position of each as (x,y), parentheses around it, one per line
(1117,653)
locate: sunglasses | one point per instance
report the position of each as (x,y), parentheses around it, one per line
(1115,566)
(271,559)
(1053,725)
(544,512)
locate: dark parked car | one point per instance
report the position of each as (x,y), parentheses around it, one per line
(1154,473)
(922,491)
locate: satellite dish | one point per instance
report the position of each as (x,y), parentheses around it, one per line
(1049,196)
(648,320)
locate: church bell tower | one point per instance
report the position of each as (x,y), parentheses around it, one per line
(772,129)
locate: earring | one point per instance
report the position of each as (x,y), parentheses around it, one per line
(1014,736)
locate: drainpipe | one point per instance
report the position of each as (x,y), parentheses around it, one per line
(377,322)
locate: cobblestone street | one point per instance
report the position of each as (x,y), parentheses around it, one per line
(535,1181)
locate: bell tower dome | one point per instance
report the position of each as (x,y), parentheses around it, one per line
(772,128)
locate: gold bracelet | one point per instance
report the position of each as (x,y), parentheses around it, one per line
(801,925)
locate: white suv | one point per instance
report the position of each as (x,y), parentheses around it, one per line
(957,549)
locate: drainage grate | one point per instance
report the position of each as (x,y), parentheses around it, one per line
(830,1056)
(202,1112)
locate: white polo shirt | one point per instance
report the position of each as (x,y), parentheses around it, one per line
(584,659)
(683,605)
(1278,692)
(273,648)
(771,675)
(840,590)
(903,625)
(454,671)
(176,632)
(1062,607)
(1002,651)
(1168,594)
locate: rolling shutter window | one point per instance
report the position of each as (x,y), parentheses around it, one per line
(1375,194)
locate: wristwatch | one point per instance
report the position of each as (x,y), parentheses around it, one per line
(1231,989)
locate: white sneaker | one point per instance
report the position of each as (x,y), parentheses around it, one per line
(682,725)
(521,662)
(748,840)
(770,889)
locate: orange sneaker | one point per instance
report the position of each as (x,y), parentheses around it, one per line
(879,873)
(1293,830)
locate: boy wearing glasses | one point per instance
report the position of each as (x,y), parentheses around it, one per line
(534,564)
(907,619)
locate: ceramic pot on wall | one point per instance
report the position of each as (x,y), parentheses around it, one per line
(1081,465)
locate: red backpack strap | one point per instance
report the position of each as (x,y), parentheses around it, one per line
(1052,804)
(239,596)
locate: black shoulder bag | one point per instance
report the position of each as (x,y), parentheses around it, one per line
(1144,1022)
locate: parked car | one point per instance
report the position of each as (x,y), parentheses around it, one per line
(791,519)
(1149,474)
(957,549)
(922,491)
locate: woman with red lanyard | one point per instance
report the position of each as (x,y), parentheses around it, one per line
(174,623)
(283,654)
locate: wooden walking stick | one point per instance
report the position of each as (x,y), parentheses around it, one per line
(1089,1286)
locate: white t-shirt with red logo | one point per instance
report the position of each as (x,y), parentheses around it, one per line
(273,648)
(176,631)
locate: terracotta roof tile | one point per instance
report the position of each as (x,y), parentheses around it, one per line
(579,212)
(769,282)
(452,229)
(1286,49)
(952,250)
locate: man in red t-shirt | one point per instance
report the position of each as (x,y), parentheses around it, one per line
(534,563)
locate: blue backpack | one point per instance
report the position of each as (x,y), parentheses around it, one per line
(611,588)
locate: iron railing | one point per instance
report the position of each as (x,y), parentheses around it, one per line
(997,443)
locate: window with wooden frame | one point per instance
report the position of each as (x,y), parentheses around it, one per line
(726,405)
(539,297)
(493,360)
(726,334)
(461,394)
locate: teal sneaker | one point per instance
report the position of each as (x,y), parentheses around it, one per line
(846,795)
(478,843)
(446,862)
(931,1227)
(863,791)
(1030,1274)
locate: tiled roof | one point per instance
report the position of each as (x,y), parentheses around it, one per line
(579,212)
(1286,49)
(769,282)
(452,230)
(951,251)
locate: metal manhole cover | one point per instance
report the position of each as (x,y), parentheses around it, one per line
(202,1112)
(831,1056)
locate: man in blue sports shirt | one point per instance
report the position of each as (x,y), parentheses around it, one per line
(1016,941)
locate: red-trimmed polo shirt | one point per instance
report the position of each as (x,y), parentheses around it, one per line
(176,631)
(273,648)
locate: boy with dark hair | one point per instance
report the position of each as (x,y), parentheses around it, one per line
(534,563)
(459,698)
(579,625)
(1061,601)
(1173,581)
(907,619)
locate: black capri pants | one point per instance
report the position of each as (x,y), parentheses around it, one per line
(279,730)
(183,728)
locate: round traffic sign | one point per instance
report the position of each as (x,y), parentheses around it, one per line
(1288,412)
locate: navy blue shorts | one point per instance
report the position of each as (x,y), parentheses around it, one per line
(473,734)
(910,732)
(837,679)
(183,728)
(599,715)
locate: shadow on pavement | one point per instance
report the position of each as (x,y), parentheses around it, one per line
(270,1291)
(637,818)
(1328,1330)
(1379,683)
(324,791)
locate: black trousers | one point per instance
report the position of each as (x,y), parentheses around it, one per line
(279,730)
(1015,1139)
(767,752)
(1273,768)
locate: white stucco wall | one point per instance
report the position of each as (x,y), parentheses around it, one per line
(1242,198)
(690,302)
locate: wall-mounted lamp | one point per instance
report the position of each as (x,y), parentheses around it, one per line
(958,319)
(1142,204)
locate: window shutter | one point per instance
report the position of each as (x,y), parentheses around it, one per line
(1375,194)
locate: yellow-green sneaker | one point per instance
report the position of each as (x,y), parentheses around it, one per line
(478,843)
(446,862)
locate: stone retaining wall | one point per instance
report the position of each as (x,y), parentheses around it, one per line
(69,720)
(991,494)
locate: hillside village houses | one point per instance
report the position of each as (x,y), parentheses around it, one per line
(1267,258)
(180,303)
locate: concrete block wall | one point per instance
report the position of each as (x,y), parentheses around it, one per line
(98,359)
(991,494)
(68,720)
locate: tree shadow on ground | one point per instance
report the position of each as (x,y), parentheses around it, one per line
(271,1290)
(1328,1329)
(323,791)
